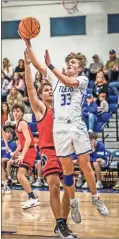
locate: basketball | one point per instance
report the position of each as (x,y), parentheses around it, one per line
(29,27)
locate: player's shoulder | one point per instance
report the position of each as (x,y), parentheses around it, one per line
(23,123)
(82,77)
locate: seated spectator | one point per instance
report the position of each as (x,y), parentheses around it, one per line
(90,113)
(7,69)
(38,80)
(95,67)
(4,86)
(20,68)
(112,69)
(26,101)
(100,86)
(4,113)
(116,187)
(17,82)
(39,182)
(14,97)
(103,107)
(5,156)
(97,159)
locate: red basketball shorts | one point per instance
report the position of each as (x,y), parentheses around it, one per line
(28,161)
(50,163)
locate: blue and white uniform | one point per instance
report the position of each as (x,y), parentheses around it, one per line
(69,130)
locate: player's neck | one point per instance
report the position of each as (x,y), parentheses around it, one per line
(48,104)
(17,120)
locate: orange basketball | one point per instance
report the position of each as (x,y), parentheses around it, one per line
(29,27)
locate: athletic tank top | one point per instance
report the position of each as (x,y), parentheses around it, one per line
(22,138)
(44,127)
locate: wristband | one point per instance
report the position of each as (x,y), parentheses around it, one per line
(51,67)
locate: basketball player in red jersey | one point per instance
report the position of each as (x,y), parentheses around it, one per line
(51,165)
(28,154)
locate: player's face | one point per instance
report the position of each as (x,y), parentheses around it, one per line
(17,114)
(47,94)
(74,67)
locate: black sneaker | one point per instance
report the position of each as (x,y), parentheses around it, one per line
(9,182)
(61,230)
(70,231)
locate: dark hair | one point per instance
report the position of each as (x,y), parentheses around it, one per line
(19,77)
(8,110)
(43,86)
(17,106)
(19,63)
(93,135)
(9,129)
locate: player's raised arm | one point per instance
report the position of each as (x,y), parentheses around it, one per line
(40,67)
(37,105)
(68,81)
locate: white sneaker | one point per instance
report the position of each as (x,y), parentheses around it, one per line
(79,182)
(85,185)
(103,210)
(30,203)
(31,180)
(7,190)
(46,184)
(90,131)
(38,183)
(75,214)
(99,185)
(116,186)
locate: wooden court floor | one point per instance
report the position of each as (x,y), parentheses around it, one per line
(39,222)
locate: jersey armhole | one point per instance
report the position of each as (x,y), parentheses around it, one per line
(43,115)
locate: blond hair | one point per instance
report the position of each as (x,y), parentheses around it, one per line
(103,78)
(79,56)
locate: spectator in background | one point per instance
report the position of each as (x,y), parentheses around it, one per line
(103,107)
(116,187)
(5,156)
(26,101)
(100,86)
(4,113)
(14,97)
(90,112)
(39,182)
(112,67)
(17,82)
(38,80)
(4,86)
(97,159)
(20,68)
(95,67)
(7,69)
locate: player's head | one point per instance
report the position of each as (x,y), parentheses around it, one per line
(75,64)
(9,133)
(45,92)
(18,111)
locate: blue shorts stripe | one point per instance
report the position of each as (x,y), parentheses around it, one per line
(84,152)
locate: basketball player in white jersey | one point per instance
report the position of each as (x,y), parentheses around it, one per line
(70,132)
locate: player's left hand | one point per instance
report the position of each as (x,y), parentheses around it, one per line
(47,58)
(19,159)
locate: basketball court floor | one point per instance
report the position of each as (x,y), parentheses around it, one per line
(39,222)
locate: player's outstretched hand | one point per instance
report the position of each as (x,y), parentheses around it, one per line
(27,41)
(47,58)
(27,57)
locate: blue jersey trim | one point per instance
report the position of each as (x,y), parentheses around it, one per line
(84,152)
(65,155)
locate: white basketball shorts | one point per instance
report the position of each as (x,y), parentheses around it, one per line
(71,138)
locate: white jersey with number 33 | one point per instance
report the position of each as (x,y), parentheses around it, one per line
(68,101)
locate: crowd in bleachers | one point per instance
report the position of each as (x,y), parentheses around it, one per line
(101,100)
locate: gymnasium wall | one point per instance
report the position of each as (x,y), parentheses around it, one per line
(96,40)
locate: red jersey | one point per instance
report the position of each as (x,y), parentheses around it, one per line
(22,138)
(44,127)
